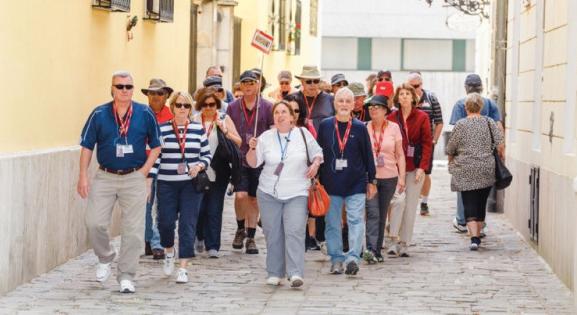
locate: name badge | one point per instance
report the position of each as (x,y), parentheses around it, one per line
(340,164)
(119,150)
(181,168)
(279,168)
(411,151)
(127,148)
(381,160)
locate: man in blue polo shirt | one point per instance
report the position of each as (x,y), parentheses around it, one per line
(473,84)
(120,130)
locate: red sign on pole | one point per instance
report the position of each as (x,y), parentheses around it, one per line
(262,41)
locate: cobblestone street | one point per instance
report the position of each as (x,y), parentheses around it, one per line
(441,276)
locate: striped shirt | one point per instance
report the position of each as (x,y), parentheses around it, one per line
(429,103)
(196,151)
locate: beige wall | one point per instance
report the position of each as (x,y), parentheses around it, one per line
(57,58)
(255,16)
(536,139)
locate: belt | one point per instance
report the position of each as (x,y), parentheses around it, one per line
(118,172)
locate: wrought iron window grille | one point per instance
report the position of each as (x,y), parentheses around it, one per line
(112,5)
(159,10)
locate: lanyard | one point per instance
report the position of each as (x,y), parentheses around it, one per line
(311,106)
(343,142)
(252,116)
(123,124)
(283,151)
(209,129)
(378,140)
(180,137)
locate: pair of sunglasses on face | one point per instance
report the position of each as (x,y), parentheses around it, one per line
(315,81)
(124,86)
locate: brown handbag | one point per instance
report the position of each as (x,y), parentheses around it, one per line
(319,201)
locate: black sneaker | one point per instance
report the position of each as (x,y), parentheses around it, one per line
(239,239)
(424,208)
(379,257)
(352,268)
(311,243)
(251,246)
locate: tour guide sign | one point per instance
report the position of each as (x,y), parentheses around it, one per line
(263,42)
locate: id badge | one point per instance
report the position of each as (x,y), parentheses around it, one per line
(181,169)
(119,150)
(411,151)
(279,168)
(127,148)
(340,164)
(381,160)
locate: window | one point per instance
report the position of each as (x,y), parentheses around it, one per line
(339,53)
(427,54)
(112,5)
(386,53)
(295,29)
(278,22)
(159,10)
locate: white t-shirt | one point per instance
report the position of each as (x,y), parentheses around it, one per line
(292,181)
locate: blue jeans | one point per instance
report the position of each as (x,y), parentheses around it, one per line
(209,224)
(151,230)
(355,208)
(178,201)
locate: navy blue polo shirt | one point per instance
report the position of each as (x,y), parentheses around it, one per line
(101,130)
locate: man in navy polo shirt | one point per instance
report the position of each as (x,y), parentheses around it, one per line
(120,130)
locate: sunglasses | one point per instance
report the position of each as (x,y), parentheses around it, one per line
(340,84)
(296,111)
(284,83)
(416,86)
(211,104)
(185,105)
(384,79)
(375,106)
(248,82)
(124,86)
(220,90)
(315,81)
(156,93)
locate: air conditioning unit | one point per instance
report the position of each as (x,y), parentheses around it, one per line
(112,5)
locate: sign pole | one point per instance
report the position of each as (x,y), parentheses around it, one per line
(258,96)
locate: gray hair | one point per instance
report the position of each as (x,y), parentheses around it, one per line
(473,89)
(344,90)
(121,74)
(414,76)
(474,103)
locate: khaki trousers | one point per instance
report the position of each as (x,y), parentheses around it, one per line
(404,212)
(130,192)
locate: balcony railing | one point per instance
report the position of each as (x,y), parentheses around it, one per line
(112,5)
(159,10)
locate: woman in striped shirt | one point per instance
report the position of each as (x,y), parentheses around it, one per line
(185,152)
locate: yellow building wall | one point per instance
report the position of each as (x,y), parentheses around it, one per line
(56,60)
(254,14)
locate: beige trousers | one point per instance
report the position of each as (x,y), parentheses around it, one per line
(130,192)
(404,212)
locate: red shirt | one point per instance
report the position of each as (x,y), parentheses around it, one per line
(418,130)
(163,115)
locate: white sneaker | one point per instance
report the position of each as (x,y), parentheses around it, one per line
(484,230)
(296,282)
(324,249)
(182,276)
(393,249)
(199,246)
(168,267)
(458,227)
(213,253)
(103,271)
(126,286)
(273,281)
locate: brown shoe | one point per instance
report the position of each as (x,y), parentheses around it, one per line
(147,249)
(251,246)
(238,239)
(157,254)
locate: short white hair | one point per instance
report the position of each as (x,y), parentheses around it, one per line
(344,92)
(121,74)
(414,76)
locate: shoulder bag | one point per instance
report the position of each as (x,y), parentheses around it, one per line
(319,201)
(503,177)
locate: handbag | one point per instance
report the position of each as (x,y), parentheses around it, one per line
(318,201)
(503,177)
(201,182)
(228,153)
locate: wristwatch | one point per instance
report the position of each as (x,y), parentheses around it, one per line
(374,182)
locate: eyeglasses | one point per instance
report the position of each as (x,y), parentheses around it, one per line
(220,90)
(374,106)
(340,84)
(284,83)
(155,93)
(210,104)
(416,86)
(248,82)
(185,105)
(315,81)
(124,86)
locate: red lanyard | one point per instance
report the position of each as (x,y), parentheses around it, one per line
(248,121)
(123,124)
(310,107)
(180,137)
(209,129)
(378,141)
(343,142)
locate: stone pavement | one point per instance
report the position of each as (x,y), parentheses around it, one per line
(441,277)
